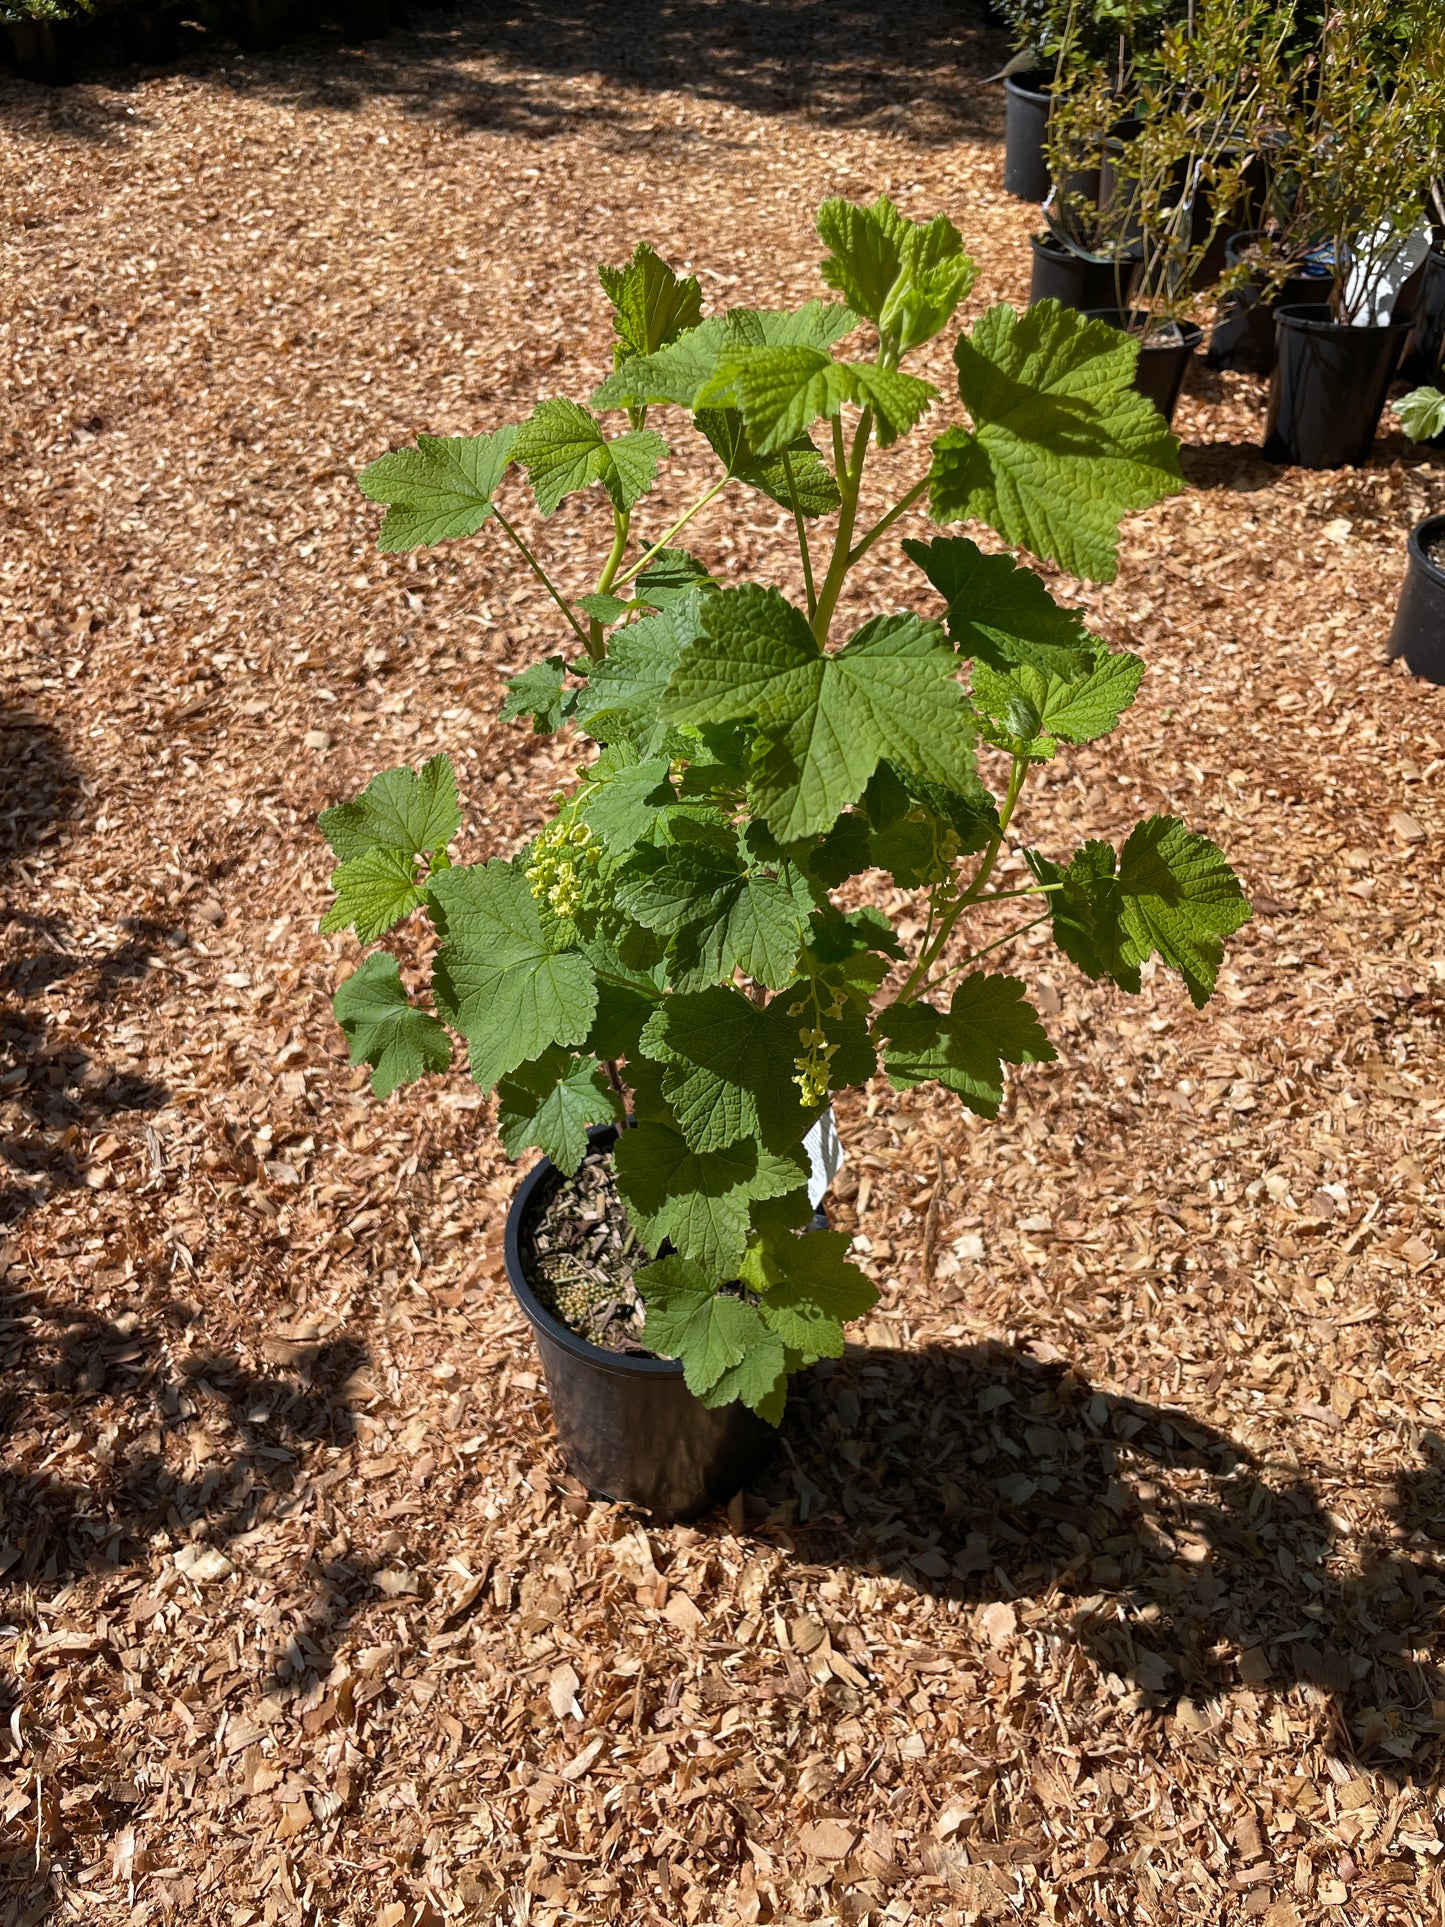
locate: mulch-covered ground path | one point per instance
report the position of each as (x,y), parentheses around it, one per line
(1103,1579)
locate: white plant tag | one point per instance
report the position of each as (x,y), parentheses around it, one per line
(825,1154)
(1373,284)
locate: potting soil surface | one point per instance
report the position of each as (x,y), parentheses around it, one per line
(1102,1579)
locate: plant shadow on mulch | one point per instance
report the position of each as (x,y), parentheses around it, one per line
(59,1090)
(841,64)
(980,1474)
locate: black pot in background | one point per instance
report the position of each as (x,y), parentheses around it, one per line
(1425,344)
(1329,387)
(1419,631)
(1059,274)
(150,36)
(629,1428)
(1162,365)
(364,20)
(1026,123)
(1244,337)
(45,50)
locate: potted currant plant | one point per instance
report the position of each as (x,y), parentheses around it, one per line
(1418,634)
(1366,144)
(667,983)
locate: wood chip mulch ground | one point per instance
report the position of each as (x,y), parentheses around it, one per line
(1103,1579)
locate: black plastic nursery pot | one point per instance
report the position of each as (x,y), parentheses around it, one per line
(47,51)
(150,36)
(1244,339)
(629,1428)
(1329,387)
(1162,365)
(1419,631)
(1421,361)
(1026,123)
(1077,280)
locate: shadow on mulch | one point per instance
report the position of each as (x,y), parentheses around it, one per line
(57,1090)
(841,64)
(66,1369)
(979,1474)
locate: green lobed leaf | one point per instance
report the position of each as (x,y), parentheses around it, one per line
(384,1027)
(402,809)
(605,609)
(728,1068)
(678,372)
(671,577)
(796,473)
(441,488)
(498,980)
(905,276)
(1062,447)
(891,691)
(779,391)
(628,795)
(817,1292)
(540,692)
(698,1199)
(624,691)
(1000,614)
(988,1024)
(721,914)
(551,1102)
(373,892)
(1169,890)
(651,305)
(1078,710)
(711,1332)
(563,449)
(1422,414)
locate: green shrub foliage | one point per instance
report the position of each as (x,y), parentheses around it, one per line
(671,946)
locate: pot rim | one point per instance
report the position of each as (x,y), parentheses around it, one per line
(1015,83)
(1315,317)
(1050,244)
(1433,525)
(623,1364)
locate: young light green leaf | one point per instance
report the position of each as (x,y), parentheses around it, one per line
(402,809)
(1422,414)
(721,914)
(650,304)
(373,892)
(907,278)
(497,978)
(541,693)
(729,1068)
(677,373)
(624,806)
(605,609)
(386,1029)
(818,1292)
(1062,447)
(1078,709)
(780,391)
(440,489)
(987,1025)
(563,449)
(670,577)
(688,1318)
(759,1379)
(1169,890)
(890,692)
(1000,614)
(551,1102)
(699,1200)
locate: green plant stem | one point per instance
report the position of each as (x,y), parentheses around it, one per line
(1027,890)
(931,952)
(998,944)
(541,574)
(709,495)
(885,522)
(621,523)
(801,527)
(849,478)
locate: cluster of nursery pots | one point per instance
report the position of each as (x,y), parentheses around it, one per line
(1329,380)
(50,50)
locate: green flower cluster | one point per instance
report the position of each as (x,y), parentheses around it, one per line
(814,1063)
(563,858)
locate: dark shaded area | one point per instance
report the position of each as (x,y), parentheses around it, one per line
(841,64)
(980,1474)
(52,1091)
(64,1369)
